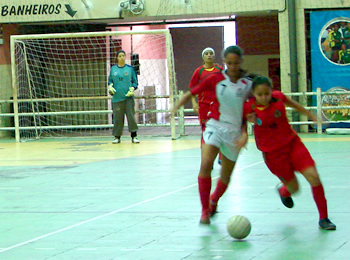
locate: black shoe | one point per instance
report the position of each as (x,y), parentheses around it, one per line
(326,224)
(287,201)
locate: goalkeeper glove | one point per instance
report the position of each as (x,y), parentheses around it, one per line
(130,92)
(111,90)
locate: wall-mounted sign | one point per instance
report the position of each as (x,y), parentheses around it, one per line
(36,9)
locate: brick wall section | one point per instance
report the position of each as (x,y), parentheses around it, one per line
(258,35)
(5,55)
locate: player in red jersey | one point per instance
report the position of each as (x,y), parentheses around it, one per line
(228,91)
(203,106)
(208,67)
(283,151)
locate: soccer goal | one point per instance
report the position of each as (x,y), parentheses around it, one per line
(60,82)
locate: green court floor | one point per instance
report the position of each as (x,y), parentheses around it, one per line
(85,198)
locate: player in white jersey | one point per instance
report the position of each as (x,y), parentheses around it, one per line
(228,90)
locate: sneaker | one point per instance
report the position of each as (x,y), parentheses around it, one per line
(135,140)
(116,141)
(287,201)
(205,218)
(326,224)
(213,208)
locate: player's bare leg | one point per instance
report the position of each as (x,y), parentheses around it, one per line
(227,167)
(208,154)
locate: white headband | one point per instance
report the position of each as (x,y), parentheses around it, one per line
(208,49)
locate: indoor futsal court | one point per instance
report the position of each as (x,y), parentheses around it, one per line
(84,198)
(70,71)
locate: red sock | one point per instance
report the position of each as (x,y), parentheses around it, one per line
(284,191)
(219,191)
(204,185)
(320,200)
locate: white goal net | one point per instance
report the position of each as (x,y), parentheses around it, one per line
(60,82)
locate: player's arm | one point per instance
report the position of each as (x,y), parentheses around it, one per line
(243,139)
(134,80)
(194,81)
(134,83)
(195,105)
(248,113)
(299,108)
(111,89)
(185,98)
(199,88)
(110,79)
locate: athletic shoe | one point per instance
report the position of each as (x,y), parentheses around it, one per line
(116,141)
(213,208)
(326,224)
(205,218)
(135,140)
(287,201)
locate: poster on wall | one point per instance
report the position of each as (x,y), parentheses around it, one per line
(330,60)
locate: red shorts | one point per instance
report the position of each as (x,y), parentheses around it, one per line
(290,158)
(203,114)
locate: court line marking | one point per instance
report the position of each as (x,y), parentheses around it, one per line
(110,213)
(221,250)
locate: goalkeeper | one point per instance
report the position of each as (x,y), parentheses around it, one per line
(122,82)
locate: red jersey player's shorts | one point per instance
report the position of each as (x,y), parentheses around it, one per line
(203,111)
(290,158)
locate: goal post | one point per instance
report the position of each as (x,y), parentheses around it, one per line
(60,82)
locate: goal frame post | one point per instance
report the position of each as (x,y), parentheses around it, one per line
(170,69)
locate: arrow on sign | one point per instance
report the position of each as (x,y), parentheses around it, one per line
(70,11)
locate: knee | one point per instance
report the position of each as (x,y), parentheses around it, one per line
(225,174)
(312,176)
(314,180)
(225,179)
(205,170)
(293,187)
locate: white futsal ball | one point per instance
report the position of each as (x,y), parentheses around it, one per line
(238,227)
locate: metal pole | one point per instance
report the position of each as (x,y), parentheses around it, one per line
(319,110)
(181,116)
(172,82)
(293,58)
(14,88)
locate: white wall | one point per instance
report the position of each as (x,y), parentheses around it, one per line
(257,63)
(40,10)
(55,10)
